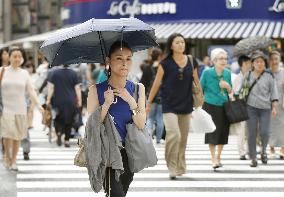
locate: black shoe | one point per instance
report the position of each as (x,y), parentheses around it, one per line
(264,158)
(59,141)
(243,157)
(253,163)
(67,144)
(173,177)
(215,166)
(26,156)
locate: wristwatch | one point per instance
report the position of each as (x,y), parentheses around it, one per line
(135,111)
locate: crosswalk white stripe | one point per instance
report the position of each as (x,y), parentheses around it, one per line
(153,175)
(153,184)
(150,194)
(160,162)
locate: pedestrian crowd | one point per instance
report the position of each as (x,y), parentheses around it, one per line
(164,106)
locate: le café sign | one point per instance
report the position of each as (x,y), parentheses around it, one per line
(126,8)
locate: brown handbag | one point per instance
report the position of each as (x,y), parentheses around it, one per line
(197,94)
(80,157)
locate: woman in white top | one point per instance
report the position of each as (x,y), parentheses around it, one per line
(14,85)
(245,65)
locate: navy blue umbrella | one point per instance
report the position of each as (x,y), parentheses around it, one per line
(90,41)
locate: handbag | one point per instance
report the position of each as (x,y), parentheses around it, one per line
(80,157)
(197,94)
(1,77)
(139,146)
(236,111)
(202,122)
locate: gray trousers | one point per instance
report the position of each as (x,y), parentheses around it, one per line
(259,121)
(26,143)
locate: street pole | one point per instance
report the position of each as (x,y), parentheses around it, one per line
(7,20)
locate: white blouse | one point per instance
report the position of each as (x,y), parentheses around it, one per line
(14,85)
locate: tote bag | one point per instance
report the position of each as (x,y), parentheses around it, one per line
(139,146)
(236,111)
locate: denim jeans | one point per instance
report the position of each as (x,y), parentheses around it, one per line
(259,121)
(26,143)
(156,117)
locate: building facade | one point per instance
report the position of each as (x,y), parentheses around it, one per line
(22,18)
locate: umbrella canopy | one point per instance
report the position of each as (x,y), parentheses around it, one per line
(90,41)
(248,45)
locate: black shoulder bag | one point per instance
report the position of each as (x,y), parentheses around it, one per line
(236,111)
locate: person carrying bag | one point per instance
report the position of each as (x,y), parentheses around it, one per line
(236,111)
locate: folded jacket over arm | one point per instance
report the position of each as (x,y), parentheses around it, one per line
(103,146)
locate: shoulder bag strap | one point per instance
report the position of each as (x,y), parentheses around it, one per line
(191,63)
(253,84)
(136,89)
(2,74)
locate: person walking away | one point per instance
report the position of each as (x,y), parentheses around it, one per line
(64,95)
(175,76)
(155,116)
(15,82)
(115,97)
(261,104)
(277,123)
(245,66)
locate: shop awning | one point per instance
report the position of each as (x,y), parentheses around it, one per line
(198,30)
(221,29)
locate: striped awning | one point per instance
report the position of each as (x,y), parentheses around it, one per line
(221,29)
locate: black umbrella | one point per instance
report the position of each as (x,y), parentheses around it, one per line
(90,41)
(248,45)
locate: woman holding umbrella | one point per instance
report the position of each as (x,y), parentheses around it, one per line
(175,73)
(115,96)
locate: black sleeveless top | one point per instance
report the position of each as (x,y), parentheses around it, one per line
(177,87)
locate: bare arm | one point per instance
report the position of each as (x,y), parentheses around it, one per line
(50,91)
(33,95)
(155,87)
(93,102)
(78,94)
(140,118)
(196,78)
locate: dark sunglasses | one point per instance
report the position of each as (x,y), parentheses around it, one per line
(180,73)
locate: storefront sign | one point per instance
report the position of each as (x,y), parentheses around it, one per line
(125,8)
(278,6)
(77,11)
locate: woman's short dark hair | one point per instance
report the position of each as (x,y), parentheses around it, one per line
(30,65)
(1,53)
(242,59)
(170,40)
(155,54)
